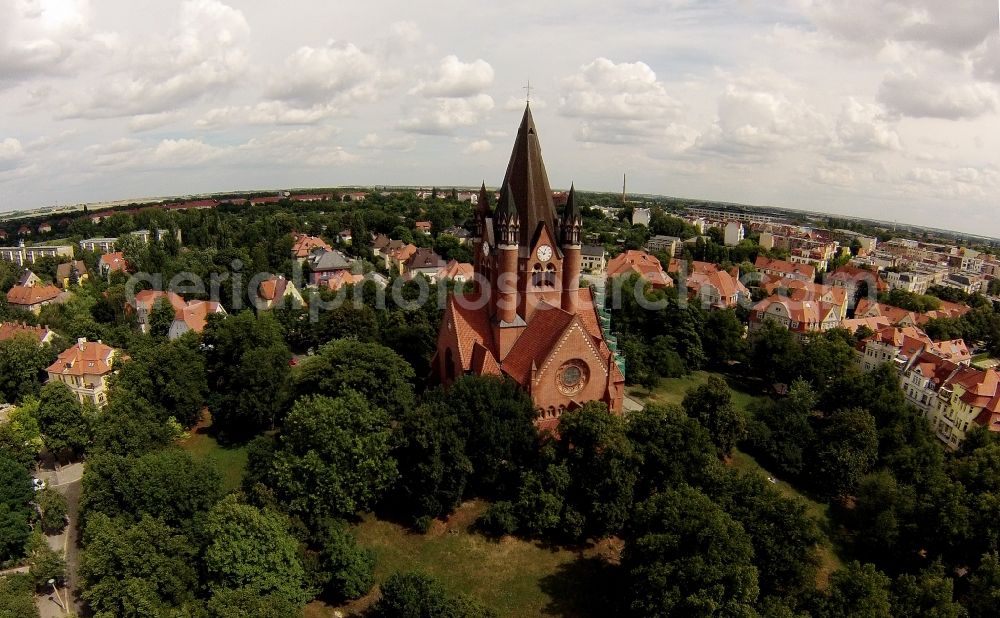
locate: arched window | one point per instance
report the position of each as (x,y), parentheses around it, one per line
(449,364)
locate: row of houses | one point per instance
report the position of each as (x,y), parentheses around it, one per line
(938,379)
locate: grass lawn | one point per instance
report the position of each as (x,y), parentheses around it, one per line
(512,576)
(672,390)
(230,462)
(984,361)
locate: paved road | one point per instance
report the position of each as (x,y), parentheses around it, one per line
(65,480)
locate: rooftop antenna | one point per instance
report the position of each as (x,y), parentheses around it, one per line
(527,91)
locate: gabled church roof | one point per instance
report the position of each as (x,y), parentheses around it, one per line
(529,183)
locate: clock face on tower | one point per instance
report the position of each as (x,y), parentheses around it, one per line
(544,253)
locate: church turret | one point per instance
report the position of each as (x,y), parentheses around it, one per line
(482,210)
(570,232)
(507,220)
(508,226)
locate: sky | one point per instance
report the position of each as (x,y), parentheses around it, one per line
(885,109)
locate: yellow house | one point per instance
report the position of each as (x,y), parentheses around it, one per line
(85,368)
(65,273)
(970,397)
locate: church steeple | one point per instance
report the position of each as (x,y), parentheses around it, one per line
(528,183)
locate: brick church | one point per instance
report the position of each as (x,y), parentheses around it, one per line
(527,318)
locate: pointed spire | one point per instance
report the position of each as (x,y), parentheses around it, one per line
(483,205)
(507,218)
(528,181)
(572,220)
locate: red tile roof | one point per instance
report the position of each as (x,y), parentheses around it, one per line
(29,296)
(9,330)
(84,358)
(642,263)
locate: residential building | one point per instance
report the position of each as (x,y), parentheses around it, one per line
(85,368)
(423,262)
(304,245)
(715,214)
(593,259)
(145,300)
(641,263)
(543,332)
(345,236)
(423,227)
(802,317)
(276,291)
(325,264)
(44,228)
(111,263)
(717,289)
(732,233)
(29,279)
(41,334)
(785,269)
(456,271)
(641,216)
(68,271)
(796,289)
(397,253)
(99,245)
(908,280)
(670,245)
(462,234)
(32,298)
(22,255)
(193,316)
(341,278)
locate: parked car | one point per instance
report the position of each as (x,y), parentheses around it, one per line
(37,484)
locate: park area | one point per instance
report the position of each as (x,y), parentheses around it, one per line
(516,577)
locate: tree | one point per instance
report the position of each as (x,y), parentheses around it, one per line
(848,447)
(416,595)
(136,570)
(248,374)
(433,466)
(781,432)
(20,436)
(711,405)
(783,534)
(17,598)
(684,556)
(45,563)
(241,603)
(928,593)
(22,367)
(496,421)
(65,428)
(347,571)
(722,337)
(671,449)
(53,509)
(371,369)
(984,587)
(601,466)
(855,591)
(166,484)
(171,376)
(161,318)
(131,425)
(252,549)
(332,458)
(15,494)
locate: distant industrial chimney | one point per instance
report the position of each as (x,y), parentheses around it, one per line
(623,189)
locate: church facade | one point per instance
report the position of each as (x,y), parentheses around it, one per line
(527,318)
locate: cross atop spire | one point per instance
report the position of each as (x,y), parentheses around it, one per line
(527,91)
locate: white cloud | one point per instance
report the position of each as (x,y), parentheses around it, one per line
(402,143)
(205,54)
(338,72)
(41,36)
(761,124)
(619,103)
(444,115)
(11,153)
(962,182)
(148,122)
(478,147)
(864,128)
(514,104)
(833,174)
(455,78)
(910,95)
(986,60)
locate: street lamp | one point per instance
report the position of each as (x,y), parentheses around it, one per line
(52,583)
